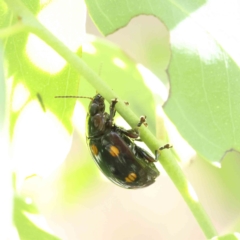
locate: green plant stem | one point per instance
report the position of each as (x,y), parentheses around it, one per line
(8,31)
(167,159)
(6,205)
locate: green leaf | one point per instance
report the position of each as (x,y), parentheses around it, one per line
(3,13)
(36,75)
(112,15)
(80,178)
(122,74)
(27,229)
(2,89)
(204,68)
(6,16)
(26,55)
(230,236)
(40,84)
(205,82)
(172,168)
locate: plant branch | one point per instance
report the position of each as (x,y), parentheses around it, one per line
(167,159)
(6,206)
(14,29)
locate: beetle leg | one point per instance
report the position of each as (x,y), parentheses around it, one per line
(131,133)
(134,132)
(112,110)
(144,154)
(166,146)
(142,121)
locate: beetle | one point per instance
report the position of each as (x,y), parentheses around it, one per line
(114,149)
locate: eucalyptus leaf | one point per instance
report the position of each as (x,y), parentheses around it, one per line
(121,73)
(27,229)
(204,68)
(230,236)
(112,15)
(36,74)
(42,84)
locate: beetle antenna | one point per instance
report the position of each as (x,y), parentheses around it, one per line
(73,97)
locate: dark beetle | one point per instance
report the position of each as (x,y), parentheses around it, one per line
(114,150)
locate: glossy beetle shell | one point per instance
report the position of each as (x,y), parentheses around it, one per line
(116,154)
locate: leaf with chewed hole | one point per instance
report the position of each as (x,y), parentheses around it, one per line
(123,75)
(38,73)
(29,223)
(40,125)
(204,68)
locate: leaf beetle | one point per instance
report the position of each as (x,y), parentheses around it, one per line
(114,149)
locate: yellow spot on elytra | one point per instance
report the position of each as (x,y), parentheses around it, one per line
(127,180)
(94,149)
(131,177)
(114,151)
